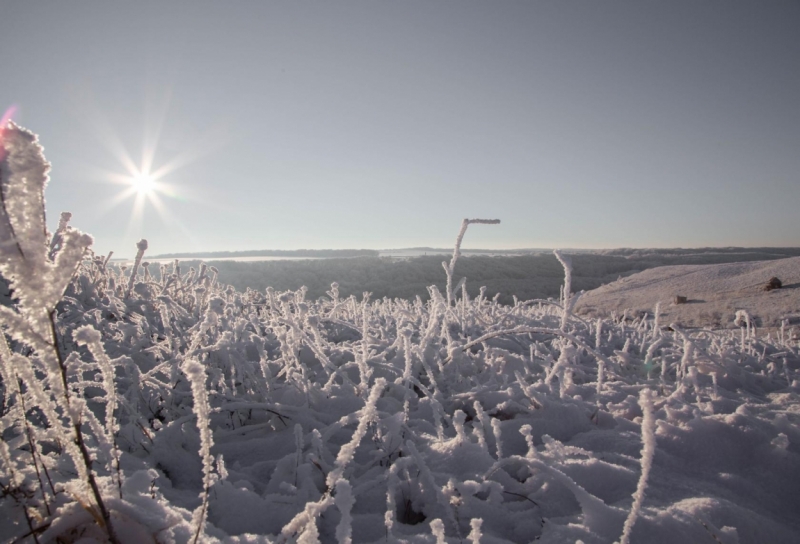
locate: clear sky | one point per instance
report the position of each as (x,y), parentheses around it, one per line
(370,124)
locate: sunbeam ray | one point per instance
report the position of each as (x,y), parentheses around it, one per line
(155,121)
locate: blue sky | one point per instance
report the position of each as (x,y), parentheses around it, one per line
(382,124)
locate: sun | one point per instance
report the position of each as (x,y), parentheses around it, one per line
(149,186)
(144,184)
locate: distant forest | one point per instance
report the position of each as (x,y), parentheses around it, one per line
(526,276)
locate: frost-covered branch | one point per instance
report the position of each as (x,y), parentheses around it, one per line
(648,451)
(449,268)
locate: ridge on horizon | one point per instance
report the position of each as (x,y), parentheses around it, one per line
(376,252)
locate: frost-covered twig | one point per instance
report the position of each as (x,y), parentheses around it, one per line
(475,534)
(141,247)
(449,268)
(90,337)
(197,378)
(344,502)
(347,451)
(55,243)
(648,451)
(566,293)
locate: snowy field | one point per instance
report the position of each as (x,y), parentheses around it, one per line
(173,408)
(714,294)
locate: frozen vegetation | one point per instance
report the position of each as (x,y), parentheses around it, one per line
(170,407)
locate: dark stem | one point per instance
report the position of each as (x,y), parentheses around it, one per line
(49,480)
(119,472)
(32,445)
(32,532)
(200,525)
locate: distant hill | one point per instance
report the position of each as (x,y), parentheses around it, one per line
(704,254)
(526,276)
(312,253)
(465,251)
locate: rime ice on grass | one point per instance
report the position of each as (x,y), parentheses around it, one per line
(358,420)
(648,451)
(449,268)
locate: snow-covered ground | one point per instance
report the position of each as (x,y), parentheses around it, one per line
(714,292)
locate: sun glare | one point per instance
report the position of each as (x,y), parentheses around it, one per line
(144,183)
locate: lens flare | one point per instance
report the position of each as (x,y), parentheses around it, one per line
(7,115)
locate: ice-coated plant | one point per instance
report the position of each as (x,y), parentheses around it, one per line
(567,298)
(648,451)
(141,247)
(449,268)
(39,282)
(197,378)
(475,534)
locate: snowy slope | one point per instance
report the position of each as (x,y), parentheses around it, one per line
(714,292)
